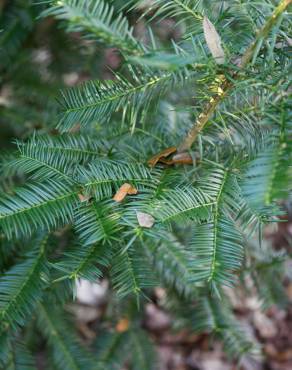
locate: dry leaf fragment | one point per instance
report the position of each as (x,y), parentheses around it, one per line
(123,191)
(122,325)
(132,191)
(83,198)
(145,220)
(179,158)
(182,158)
(213,41)
(165,153)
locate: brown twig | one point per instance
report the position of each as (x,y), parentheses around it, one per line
(224,86)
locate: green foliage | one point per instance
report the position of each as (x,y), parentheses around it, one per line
(34,206)
(267,176)
(74,148)
(59,221)
(96,20)
(212,315)
(171,260)
(21,359)
(130,273)
(16,25)
(217,250)
(111,348)
(102,176)
(22,286)
(142,351)
(97,101)
(67,351)
(80,261)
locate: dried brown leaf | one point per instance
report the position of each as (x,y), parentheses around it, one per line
(123,191)
(182,158)
(165,153)
(132,191)
(83,198)
(213,41)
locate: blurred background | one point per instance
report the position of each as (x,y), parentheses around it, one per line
(37,59)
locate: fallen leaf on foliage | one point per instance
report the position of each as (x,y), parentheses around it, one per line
(145,220)
(83,198)
(185,158)
(122,325)
(165,153)
(123,191)
(181,158)
(132,191)
(213,41)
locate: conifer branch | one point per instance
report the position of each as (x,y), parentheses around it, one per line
(54,333)
(216,216)
(183,229)
(22,286)
(225,86)
(96,19)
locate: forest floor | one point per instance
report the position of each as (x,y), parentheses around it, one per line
(184,350)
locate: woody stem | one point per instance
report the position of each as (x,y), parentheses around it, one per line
(225,86)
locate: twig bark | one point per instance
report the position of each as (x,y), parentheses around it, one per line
(225,86)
